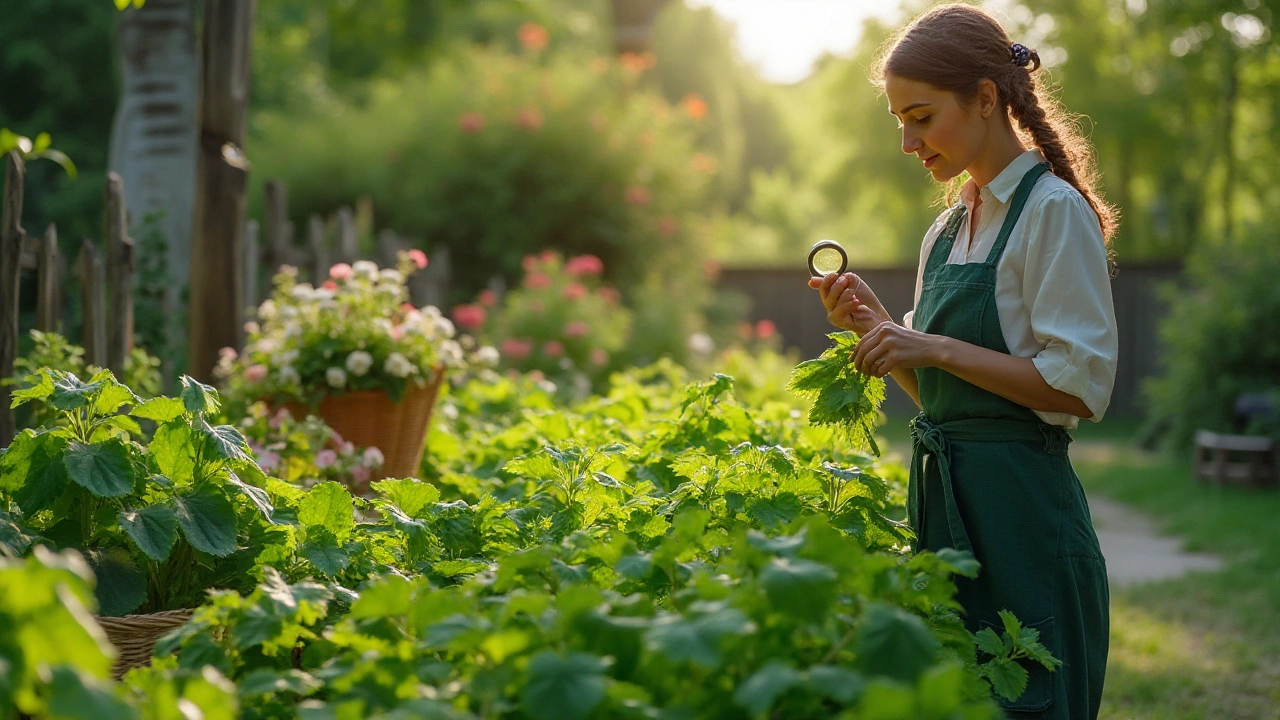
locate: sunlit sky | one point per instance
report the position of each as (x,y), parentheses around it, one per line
(783,38)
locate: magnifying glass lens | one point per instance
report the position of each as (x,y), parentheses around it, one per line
(828,260)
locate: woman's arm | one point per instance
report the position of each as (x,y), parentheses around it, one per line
(891,348)
(851,305)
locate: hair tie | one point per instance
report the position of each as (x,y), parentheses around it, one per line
(1020,54)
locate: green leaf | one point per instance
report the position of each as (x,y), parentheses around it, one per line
(35,461)
(1008,678)
(838,683)
(758,692)
(197,397)
(207,519)
(893,642)
(160,410)
(328,505)
(990,643)
(563,688)
(323,551)
(103,469)
(264,681)
(386,597)
(458,568)
(173,449)
(122,587)
(801,588)
(112,398)
(1011,624)
(40,390)
(70,393)
(697,639)
(226,441)
(153,529)
(122,4)
(256,495)
(959,561)
(73,696)
(410,495)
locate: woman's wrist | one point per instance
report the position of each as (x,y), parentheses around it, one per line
(941,352)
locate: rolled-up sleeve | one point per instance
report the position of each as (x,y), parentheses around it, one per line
(1067,290)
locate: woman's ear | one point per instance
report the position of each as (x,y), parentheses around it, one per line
(988,97)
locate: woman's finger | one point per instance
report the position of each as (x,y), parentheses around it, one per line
(866,344)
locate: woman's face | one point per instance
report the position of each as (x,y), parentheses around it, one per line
(946,136)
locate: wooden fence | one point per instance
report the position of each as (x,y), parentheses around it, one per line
(106,283)
(784,297)
(271,244)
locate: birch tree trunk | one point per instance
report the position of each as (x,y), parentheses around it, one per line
(154,138)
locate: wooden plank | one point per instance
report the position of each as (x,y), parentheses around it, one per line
(30,258)
(49,295)
(319,260)
(348,236)
(252,262)
(93,285)
(389,245)
(1234,443)
(120,267)
(11,242)
(217,252)
(279,230)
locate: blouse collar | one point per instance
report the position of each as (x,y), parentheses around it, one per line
(1004,184)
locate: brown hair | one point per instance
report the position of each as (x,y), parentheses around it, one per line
(955,47)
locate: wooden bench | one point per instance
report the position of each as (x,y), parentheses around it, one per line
(1246,460)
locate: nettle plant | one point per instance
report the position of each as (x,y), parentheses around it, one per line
(158,523)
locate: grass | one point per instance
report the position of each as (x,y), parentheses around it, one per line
(1203,647)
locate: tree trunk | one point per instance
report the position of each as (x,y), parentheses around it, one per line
(153,141)
(217,252)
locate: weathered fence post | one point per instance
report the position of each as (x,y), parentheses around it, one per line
(49,295)
(388,246)
(119,277)
(12,239)
(252,261)
(217,252)
(279,230)
(94,299)
(348,237)
(319,254)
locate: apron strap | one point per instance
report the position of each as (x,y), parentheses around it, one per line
(1015,211)
(946,239)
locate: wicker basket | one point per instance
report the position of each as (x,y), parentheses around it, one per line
(135,636)
(368,418)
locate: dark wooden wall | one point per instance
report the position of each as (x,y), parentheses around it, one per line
(784,297)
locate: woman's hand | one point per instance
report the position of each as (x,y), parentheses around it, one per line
(888,346)
(850,303)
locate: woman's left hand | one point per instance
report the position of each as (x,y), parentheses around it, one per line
(890,345)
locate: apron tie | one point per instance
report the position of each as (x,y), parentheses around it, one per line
(928,439)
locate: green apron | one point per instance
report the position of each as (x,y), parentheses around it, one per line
(988,476)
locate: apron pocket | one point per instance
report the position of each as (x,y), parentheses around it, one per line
(1040,682)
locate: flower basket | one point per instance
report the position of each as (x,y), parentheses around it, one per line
(369,418)
(135,636)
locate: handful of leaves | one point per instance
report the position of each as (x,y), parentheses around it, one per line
(841,395)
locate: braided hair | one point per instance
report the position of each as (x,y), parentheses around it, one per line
(955,47)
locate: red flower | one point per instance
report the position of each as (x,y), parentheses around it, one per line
(533,36)
(329,285)
(537,280)
(488,298)
(516,348)
(599,356)
(553,348)
(469,317)
(575,291)
(766,329)
(472,122)
(418,257)
(584,265)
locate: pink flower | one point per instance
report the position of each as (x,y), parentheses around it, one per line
(227,353)
(341,271)
(361,474)
(575,291)
(529,263)
(472,122)
(537,280)
(766,329)
(469,317)
(488,298)
(268,460)
(638,195)
(516,348)
(576,329)
(553,348)
(278,419)
(584,265)
(548,256)
(529,119)
(533,36)
(668,226)
(599,357)
(326,458)
(329,285)
(255,373)
(418,257)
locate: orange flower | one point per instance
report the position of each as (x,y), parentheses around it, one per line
(637,63)
(533,37)
(694,106)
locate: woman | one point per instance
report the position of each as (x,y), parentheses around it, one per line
(1012,340)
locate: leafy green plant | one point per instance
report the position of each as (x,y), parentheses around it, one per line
(35,149)
(842,396)
(158,523)
(1007,676)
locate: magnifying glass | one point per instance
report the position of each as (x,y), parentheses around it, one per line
(826,257)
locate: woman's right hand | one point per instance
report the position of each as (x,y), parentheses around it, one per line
(850,303)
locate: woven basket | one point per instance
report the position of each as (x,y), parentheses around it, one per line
(135,636)
(368,418)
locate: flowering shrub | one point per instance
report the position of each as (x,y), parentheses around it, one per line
(306,452)
(561,321)
(356,331)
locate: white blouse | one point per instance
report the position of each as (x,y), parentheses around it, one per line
(1053,288)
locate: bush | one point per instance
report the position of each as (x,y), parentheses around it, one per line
(1218,340)
(499,156)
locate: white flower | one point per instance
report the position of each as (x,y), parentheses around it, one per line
(302,292)
(445,326)
(265,345)
(288,312)
(289,375)
(373,457)
(701,344)
(359,362)
(323,294)
(488,355)
(252,328)
(365,269)
(336,377)
(385,325)
(267,310)
(398,365)
(451,353)
(391,276)
(431,312)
